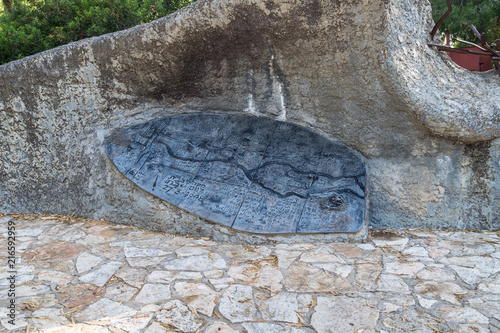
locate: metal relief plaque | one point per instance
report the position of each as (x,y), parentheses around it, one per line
(249,173)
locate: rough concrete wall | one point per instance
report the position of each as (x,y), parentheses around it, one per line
(359,72)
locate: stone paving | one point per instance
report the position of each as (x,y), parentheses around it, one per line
(78,275)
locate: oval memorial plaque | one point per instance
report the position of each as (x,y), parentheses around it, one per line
(249,173)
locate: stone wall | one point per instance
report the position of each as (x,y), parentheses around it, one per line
(359,72)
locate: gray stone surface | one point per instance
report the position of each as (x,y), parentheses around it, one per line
(255,292)
(198,295)
(249,173)
(104,309)
(359,73)
(177,314)
(101,275)
(153,293)
(350,315)
(237,304)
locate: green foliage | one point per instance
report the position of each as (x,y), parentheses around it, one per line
(483,14)
(33,26)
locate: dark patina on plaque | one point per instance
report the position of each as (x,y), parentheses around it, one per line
(249,173)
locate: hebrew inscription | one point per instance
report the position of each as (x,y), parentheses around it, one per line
(249,173)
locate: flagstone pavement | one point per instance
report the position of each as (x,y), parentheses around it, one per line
(80,275)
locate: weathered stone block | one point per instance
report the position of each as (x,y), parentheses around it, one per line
(358,72)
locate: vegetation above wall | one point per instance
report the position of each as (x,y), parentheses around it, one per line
(31,26)
(483,14)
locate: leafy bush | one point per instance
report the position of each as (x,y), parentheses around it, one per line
(484,14)
(32,26)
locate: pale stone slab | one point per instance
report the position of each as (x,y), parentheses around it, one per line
(392,283)
(27,290)
(438,252)
(473,238)
(436,274)
(488,305)
(491,286)
(156,327)
(154,293)
(259,273)
(407,321)
(390,307)
(177,314)
(19,323)
(478,249)
(150,308)
(471,328)
(5,219)
(284,306)
(446,291)
(86,262)
(302,277)
(91,239)
(342,314)
(237,305)
(244,252)
(349,251)
(20,278)
(170,276)
(426,303)
(273,328)
(141,252)
(23,243)
(403,268)
(321,254)
(381,239)
(83,328)
(473,269)
(196,263)
(222,283)
(132,276)
(144,261)
(455,315)
(214,274)
(110,253)
(120,292)
(73,235)
(397,299)
(417,253)
(198,295)
(37,302)
(48,318)
(455,247)
(285,257)
(422,233)
(104,309)
(28,232)
(341,270)
(220,327)
(203,241)
(56,277)
(366,274)
(100,276)
(188,251)
(366,247)
(133,324)
(302,247)
(53,251)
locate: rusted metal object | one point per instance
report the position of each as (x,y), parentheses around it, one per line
(484,48)
(442,47)
(441,20)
